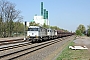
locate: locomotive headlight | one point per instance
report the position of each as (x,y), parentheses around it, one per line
(28,36)
(36,36)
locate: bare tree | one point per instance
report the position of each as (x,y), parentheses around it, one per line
(9,15)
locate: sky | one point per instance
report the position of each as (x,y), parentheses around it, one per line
(66,14)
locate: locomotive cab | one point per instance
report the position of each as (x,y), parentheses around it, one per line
(36,33)
(33,32)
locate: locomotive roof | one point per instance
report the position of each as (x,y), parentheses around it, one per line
(41,27)
(34,27)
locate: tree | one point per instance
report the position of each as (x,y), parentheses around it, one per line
(88,30)
(78,32)
(1,27)
(8,15)
(33,24)
(18,28)
(55,27)
(81,28)
(45,26)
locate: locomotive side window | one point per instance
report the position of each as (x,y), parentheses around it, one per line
(41,29)
(48,30)
(32,29)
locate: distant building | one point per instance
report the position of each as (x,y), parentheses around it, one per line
(43,18)
(40,20)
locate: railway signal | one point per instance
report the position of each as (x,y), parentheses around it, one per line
(25,23)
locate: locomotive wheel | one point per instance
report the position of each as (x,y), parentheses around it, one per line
(33,41)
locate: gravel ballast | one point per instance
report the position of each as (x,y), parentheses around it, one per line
(47,53)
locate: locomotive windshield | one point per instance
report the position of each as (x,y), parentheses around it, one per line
(32,29)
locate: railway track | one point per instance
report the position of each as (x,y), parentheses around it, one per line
(13,44)
(6,42)
(28,49)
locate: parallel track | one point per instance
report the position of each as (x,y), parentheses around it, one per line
(6,42)
(13,44)
(19,53)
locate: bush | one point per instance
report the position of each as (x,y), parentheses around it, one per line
(88,32)
(78,32)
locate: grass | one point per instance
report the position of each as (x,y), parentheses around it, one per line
(68,54)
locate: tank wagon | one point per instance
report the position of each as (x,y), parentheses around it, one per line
(38,33)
